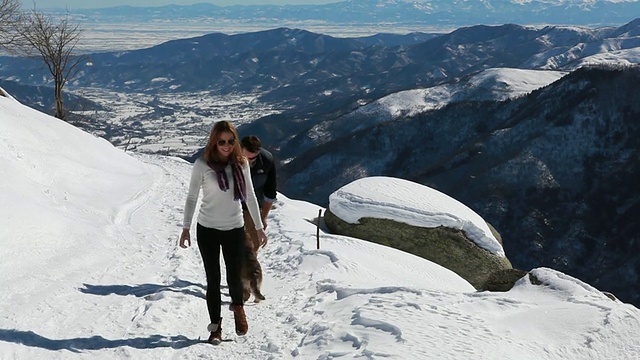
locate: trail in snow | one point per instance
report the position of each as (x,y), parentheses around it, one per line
(132,293)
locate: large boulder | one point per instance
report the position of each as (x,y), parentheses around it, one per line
(445,245)
(503,280)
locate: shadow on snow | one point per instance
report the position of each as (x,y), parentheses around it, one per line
(144,289)
(29,338)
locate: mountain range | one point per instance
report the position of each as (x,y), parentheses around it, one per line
(554,169)
(299,68)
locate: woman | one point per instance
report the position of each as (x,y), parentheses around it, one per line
(224,175)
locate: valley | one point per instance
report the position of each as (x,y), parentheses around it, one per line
(175,124)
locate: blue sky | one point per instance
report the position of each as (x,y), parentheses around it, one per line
(77,4)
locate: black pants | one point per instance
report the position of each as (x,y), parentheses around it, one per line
(232,243)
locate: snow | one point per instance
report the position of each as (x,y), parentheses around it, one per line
(628,57)
(91,270)
(489,84)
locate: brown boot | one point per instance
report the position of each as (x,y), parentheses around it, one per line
(216,333)
(241,320)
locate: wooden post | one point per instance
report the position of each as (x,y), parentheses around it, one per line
(318,230)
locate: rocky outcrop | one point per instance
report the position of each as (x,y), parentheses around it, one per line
(447,247)
(502,280)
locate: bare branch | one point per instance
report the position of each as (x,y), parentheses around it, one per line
(10,17)
(54,42)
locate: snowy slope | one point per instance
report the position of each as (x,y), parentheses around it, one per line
(91,270)
(488,85)
(491,84)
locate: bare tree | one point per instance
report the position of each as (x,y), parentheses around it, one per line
(54,41)
(10,17)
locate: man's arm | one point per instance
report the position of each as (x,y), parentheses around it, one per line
(269,189)
(270,192)
(264,212)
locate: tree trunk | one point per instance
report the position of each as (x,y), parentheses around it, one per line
(59,104)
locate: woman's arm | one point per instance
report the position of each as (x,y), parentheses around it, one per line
(192,196)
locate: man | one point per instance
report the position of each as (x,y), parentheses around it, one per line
(263,173)
(263,176)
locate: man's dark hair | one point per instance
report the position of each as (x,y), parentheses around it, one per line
(251,143)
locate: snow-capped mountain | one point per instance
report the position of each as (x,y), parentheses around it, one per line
(301,68)
(495,84)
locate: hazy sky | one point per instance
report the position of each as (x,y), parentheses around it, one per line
(77,4)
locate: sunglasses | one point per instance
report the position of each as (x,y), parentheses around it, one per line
(223,142)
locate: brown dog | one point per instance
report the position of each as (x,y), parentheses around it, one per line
(251,274)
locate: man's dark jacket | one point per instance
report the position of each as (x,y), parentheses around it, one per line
(263,176)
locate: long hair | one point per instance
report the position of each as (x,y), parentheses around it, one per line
(211,151)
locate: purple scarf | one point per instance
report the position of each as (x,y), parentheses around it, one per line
(239,184)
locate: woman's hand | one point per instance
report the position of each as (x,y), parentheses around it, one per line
(262,236)
(185,239)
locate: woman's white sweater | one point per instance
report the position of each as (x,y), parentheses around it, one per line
(218,209)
